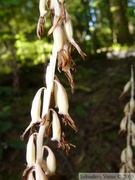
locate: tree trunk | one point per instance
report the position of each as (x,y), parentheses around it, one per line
(120,21)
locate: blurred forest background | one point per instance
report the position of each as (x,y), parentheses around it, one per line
(105,30)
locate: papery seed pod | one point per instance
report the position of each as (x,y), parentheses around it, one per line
(42,4)
(40,175)
(69,33)
(68,27)
(56,127)
(57,9)
(126,108)
(133,139)
(132,127)
(30,151)
(122,169)
(30,176)
(132,104)
(58,36)
(36,106)
(130,164)
(126,88)
(61,98)
(50,161)
(123,124)
(129,152)
(61,1)
(123,156)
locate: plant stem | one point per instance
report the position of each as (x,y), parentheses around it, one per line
(42,129)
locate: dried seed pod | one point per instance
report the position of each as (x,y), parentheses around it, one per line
(133,139)
(56,127)
(50,161)
(122,169)
(69,33)
(123,156)
(132,127)
(132,104)
(42,4)
(36,106)
(123,124)
(129,152)
(57,9)
(126,88)
(40,175)
(130,164)
(126,108)
(30,176)
(30,151)
(61,98)
(58,36)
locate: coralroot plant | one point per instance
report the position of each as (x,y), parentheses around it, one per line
(128,126)
(50,105)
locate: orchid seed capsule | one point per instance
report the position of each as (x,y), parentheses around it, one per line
(40,175)
(30,152)
(36,106)
(56,127)
(123,156)
(50,161)
(58,36)
(61,98)
(42,4)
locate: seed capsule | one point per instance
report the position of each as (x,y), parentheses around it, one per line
(42,4)
(50,161)
(36,106)
(61,98)
(56,127)
(58,36)
(30,152)
(40,175)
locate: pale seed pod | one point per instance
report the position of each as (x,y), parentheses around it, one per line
(50,161)
(130,164)
(126,108)
(36,106)
(123,124)
(122,169)
(58,36)
(133,139)
(51,5)
(40,175)
(30,151)
(132,104)
(42,4)
(127,87)
(123,156)
(61,1)
(68,27)
(30,176)
(129,152)
(61,98)
(57,8)
(56,127)
(132,128)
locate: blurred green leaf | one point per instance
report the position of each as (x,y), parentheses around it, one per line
(6,111)
(5,125)
(17,143)
(80,111)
